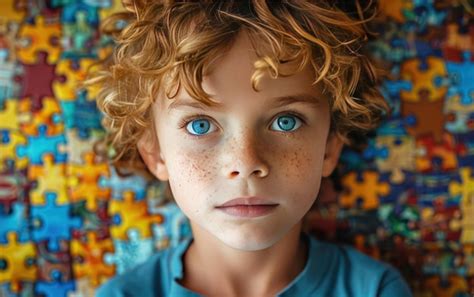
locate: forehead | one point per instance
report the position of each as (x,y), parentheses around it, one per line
(230,76)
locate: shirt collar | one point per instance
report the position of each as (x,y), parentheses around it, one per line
(305,282)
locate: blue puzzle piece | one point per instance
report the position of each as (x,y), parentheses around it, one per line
(462,78)
(54,288)
(70,10)
(67,108)
(118,184)
(42,144)
(425,14)
(373,151)
(391,92)
(16,221)
(394,126)
(53,222)
(86,117)
(129,254)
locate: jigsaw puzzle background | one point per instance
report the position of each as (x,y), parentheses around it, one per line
(407,198)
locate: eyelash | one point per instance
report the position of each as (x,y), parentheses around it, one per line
(185,121)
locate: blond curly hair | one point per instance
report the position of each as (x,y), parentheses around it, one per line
(164,44)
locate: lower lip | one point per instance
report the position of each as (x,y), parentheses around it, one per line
(248,211)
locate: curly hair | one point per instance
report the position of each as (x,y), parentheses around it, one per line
(164,44)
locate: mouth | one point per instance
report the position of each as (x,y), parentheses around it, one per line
(248,207)
(248,201)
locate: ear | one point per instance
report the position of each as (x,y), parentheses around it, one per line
(149,150)
(334,146)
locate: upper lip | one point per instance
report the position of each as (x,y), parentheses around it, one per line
(248,201)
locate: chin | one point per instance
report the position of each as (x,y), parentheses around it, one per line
(244,241)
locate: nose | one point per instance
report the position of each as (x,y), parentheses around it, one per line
(244,156)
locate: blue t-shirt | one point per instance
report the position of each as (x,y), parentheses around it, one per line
(331,270)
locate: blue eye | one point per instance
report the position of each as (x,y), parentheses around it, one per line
(286,123)
(199,126)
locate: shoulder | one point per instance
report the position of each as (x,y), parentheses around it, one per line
(142,280)
(358,274)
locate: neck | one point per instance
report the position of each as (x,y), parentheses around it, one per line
(208,262)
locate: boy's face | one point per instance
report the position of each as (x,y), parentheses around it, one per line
(250,147)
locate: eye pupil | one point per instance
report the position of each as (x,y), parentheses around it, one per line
(286,123)
(200,126)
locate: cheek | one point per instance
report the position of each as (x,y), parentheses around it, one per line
(302,163)
(301,170)
(190,171)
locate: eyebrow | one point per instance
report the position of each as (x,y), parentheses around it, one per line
(309,99)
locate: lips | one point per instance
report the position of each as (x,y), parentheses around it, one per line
(248,201)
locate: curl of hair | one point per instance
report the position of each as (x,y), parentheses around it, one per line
(167,44)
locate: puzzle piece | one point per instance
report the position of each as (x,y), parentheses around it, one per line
(401,156)
(13,188)
(423,76)
(455,39)
(53,222)
(54,266)
(85,179)
(460,116)
(10,118)
(36,81)
(49,115)
(129,254)
(40,36)
(78,37)
(462,76)
(465,189)
(440,223)
(15,221)
(18,262)
(120,185)
(9,141)
(368,190)
(391,90)
(50,177)
(86,116)
(396,126)
(432,156)
(428,119)
(54,288)
(130,213)
(425,14)
(402,220)
(42,144)
(89,261)
(78,147)
(9,12)
(74,71)
(93,221)
(72,10)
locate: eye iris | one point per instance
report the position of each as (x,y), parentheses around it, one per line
(200,126)
(286,123)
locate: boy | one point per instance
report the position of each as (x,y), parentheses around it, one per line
(243,164)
